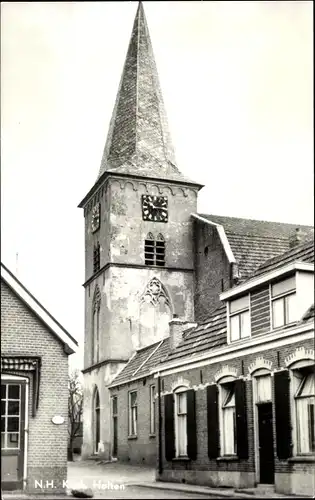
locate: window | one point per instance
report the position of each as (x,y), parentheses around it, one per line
(154,250)
(152,409)
(95,341)
(96,258)
(10,415)
(228,444)
(305,410)
(239,319)
(133,413)
(283,298)
(181,423)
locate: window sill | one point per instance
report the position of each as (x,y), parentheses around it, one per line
(228,458)
(302,458)
(152,435)
(133,437)
(181,459)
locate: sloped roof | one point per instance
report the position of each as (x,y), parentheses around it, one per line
(310,314)
(254,241)
(50,322)
(141,362)
(138,140)
(208,335)
(300,253)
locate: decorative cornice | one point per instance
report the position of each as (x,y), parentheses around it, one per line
(299,354)
(259,363)
(226,371)
(180,382)
(136,266)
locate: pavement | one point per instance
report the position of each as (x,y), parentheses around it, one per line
(118,480)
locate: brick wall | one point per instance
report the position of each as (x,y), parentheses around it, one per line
(212,472)
(23,333)
(141,449)
(211,269)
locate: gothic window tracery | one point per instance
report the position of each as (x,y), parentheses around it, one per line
(155,312)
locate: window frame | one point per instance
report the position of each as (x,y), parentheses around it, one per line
(132,409)
(177,393)
(303,369)
(282,296)
(96,257)
(239,313)
(223,387)
(154,250)
(152,410)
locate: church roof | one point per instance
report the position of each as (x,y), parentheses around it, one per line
(141,362)
(138,140)
(36,307)
(254,241)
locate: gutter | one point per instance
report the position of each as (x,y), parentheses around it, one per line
(26,430)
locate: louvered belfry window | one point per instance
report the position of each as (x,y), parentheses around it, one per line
(96,258)
(154,250)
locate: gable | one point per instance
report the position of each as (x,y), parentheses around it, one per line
(19,292)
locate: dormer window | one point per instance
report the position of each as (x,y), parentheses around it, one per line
(239,319)
(283,297)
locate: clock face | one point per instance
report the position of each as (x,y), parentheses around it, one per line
(154,208)
(95,221)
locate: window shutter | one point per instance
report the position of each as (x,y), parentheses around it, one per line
(213,421)
(283,414)
(191,425)
(169,434)
(241,419)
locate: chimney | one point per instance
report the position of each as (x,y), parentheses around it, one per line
(296,238)
(177,327)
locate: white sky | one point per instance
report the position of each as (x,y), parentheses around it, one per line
(237,79)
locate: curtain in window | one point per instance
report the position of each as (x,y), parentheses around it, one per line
(263,388)
(228,412)
(305,414)
(182,424)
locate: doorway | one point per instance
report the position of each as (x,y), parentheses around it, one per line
(12,434)
(266,452)
(97,421)
(115,427)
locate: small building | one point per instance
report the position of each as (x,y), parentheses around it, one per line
(34,392)
(236,406)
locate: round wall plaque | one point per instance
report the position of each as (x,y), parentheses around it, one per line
(58,420)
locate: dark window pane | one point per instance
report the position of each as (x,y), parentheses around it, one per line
(13,407)
(14,392)
(2,439)
(13,440)
(13,424)
(114,405)
(2,407)
(3,391)
(2,424)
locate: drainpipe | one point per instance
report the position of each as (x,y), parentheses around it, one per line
(26,435)
(160,425)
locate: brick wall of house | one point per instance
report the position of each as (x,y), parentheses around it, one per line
(239,473)
(23,333)
(141,449)
(212,271)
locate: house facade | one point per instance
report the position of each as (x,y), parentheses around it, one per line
(34,392)
(236,406)
(153,264)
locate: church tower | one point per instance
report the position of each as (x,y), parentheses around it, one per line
(139,255)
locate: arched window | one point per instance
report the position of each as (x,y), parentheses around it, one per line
(154,250)
(96,306)
(96,258)
(97,420)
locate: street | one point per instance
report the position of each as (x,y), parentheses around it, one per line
(117,480)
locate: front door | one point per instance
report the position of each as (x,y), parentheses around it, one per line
(266,454)
(12,434)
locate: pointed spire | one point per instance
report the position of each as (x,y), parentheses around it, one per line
(138,140)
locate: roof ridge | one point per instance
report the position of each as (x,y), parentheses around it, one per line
(258,220)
